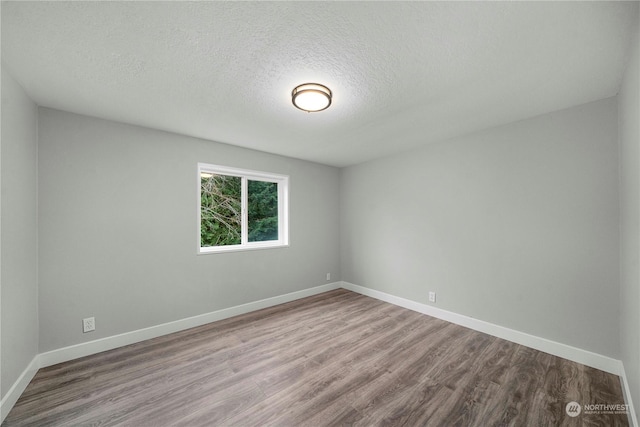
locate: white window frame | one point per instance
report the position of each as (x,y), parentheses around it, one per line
(247,175)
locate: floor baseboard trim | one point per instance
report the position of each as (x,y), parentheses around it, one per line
(626,392)
(53,357)
(18,387)
(92,347)
(574,354)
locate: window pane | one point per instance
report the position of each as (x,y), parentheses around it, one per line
(220,210)
(262,211)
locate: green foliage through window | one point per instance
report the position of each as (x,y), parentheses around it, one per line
(238,209)
(220,210)
(263,211)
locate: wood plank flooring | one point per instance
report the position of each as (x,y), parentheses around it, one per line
(334,359)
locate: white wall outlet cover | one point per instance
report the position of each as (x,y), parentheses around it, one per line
(88,324)
(432,297)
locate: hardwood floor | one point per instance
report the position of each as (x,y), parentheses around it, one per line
(336,359)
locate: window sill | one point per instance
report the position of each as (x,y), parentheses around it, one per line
(238,248)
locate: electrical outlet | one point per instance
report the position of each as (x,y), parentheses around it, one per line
(432,297)
(328,276)
(88,324)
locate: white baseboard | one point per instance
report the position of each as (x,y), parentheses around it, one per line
(574,354)
(53,357)
(633,420)
(92,347)
(18,387)
(65,354)
(585,357)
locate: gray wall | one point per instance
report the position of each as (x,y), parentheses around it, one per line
(629,133)
(118,231)
(19,240)
(516,225)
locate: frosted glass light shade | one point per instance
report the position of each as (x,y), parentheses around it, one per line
(311,97)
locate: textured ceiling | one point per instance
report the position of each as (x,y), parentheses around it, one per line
(402,74)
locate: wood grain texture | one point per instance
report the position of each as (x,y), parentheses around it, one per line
(333,359)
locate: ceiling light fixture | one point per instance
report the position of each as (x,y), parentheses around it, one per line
(311,97)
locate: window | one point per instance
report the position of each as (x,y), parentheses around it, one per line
(241,209)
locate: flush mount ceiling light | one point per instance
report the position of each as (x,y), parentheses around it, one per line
(311,97)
